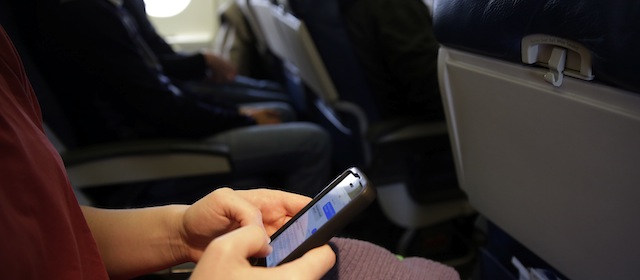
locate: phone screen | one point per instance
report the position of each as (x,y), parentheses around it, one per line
(314,218)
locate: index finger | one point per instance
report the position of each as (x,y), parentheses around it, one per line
(268,199)
(293,203)
(242,211)
(224,207)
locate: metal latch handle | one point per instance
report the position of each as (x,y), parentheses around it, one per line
(561,56)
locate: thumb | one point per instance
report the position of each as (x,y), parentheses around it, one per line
(312,265)
(231,251)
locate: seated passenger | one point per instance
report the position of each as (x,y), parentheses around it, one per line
(113,87)
(202,72)
(395,43)
(47,235)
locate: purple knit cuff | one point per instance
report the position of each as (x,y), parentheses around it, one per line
(358,259)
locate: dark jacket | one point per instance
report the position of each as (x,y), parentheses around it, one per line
(112,84)
(175,65)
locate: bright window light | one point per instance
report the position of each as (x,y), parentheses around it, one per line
(165,8)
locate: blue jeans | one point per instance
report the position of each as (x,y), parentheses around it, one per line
(299,153)
(296,154)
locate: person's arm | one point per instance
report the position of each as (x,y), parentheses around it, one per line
(138,241)
(196,66)
(218,69)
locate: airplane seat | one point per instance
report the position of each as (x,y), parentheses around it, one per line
(111,165)
(275,50)
(234,40)
(254,25)
(262,11)
(349,88)
(241,43)
(328,32)
(345,150)
(542,103)
(388,148)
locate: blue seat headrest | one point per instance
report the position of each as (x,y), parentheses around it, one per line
(495,28)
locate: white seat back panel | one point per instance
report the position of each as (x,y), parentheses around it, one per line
(557,168)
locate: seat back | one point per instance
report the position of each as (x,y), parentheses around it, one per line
(328,32)
(264,12)
(310,83)
(301,52)
(347,117)
(395,152)
(252,21)
(544,120)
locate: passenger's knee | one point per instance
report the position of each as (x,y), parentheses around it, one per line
(316,137)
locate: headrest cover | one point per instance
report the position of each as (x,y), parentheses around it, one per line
(495,28)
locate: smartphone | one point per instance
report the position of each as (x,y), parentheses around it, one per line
(329,211)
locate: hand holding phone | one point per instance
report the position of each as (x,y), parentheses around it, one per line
(217,260)
(332,209)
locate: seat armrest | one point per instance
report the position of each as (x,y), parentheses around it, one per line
(128,162)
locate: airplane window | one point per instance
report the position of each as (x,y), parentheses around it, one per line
(163,8)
